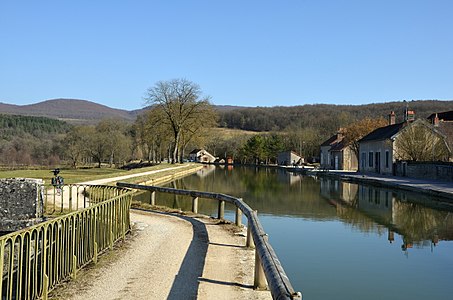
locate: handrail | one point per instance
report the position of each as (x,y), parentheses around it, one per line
(266,258)
(35,259)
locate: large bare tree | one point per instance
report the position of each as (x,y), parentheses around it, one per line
(179,104)
(419,141)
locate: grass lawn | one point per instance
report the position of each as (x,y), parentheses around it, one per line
(78,175)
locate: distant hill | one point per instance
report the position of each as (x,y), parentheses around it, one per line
(70,110)
(326,116)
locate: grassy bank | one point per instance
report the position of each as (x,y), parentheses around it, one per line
(80,175)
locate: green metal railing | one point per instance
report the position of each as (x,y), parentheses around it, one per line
(34,260)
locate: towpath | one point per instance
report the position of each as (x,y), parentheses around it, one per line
(169,256)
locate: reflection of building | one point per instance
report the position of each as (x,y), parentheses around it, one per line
(407,214)
(207,169)
(201,155)
(289,177)
(334,189)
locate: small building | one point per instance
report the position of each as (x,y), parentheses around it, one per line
(288,158)
(336,154)
(202,156)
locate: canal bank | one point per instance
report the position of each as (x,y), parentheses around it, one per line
(430,187)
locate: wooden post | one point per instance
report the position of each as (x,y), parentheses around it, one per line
(152,199)
(195,205)
(238,216)
(221,212)
(260,279)
(249,243)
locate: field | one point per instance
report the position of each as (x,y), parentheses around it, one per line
(77,175)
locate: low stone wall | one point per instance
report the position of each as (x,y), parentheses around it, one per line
(21,203)
(425,170)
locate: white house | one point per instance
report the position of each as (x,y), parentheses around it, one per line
(201,155)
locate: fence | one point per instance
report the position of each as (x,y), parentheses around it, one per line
(267,265)
(34,260)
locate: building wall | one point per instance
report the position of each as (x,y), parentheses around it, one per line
(369,150)
(325,157)
(287,158)
(425,170)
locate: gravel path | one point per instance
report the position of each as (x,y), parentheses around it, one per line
(173,257)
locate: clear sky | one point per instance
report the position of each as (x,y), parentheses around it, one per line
(249,53)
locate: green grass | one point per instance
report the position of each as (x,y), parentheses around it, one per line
(78,175)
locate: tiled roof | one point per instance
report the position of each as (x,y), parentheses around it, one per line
(339,146)
(383,132)
(195,151)
(330,141)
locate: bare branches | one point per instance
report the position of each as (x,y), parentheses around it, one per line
(179,106)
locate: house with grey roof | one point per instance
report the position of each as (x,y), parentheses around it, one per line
(202,156)
(381,148)
(336,154)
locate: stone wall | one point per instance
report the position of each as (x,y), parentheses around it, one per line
(424,170)
(21,203)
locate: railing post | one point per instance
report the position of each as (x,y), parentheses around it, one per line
(238,216)
(152,199)
(70,196)
(260,277)
(221,211)
(195,205)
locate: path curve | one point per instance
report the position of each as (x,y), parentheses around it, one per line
(172,257)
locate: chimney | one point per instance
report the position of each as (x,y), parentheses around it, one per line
(392,118)
(436,121)
(340,133)
(409,115)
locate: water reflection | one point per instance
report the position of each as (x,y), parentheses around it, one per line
(328,233)
(418,219)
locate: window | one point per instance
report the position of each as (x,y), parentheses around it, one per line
(387,159)
(363,158)
(370,159)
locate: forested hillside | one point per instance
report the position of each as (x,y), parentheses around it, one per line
(30,140)
(327,118)
(17,126)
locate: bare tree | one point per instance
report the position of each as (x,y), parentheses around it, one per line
(357,130)
(419,141)
(178,104)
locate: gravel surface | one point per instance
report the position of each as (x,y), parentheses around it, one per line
(170,256)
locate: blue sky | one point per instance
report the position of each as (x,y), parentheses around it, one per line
(249,53)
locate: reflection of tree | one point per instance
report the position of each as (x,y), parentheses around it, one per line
(415,222)
(418,223)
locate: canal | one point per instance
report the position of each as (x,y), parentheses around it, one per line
(340,240)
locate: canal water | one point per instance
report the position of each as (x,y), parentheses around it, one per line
(340,240)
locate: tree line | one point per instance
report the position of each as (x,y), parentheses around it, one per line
(180,118)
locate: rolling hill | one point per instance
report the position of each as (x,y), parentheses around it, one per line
(70,110)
